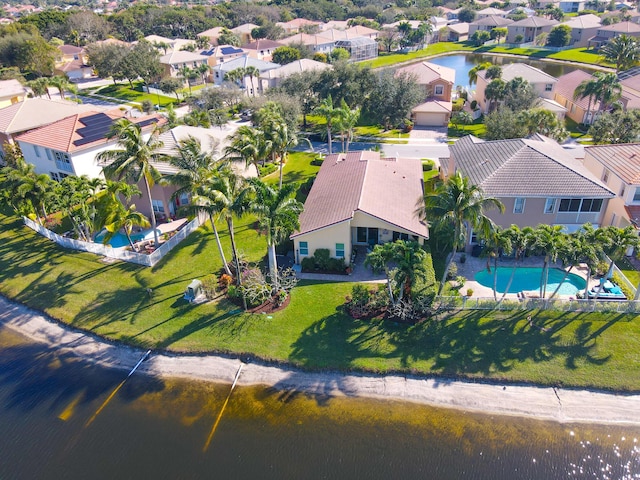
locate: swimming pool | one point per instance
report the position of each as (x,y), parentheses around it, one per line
(527,278)
(120,239)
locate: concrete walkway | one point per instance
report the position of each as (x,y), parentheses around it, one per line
(567,406)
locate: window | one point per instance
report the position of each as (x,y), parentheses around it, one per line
(605,176)
(63,161)
(158,206)
(636,195)
(439,90)
(57,176)
(622,191)
(183,199)
(339,250)
(518,205)
(400,236)
(304,248)
(550,205)
(580,205)
(361,235)
(49,154)
(36,148)
(548,87)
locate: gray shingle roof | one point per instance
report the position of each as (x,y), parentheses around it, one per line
(525,168)
(623,160)
(385,188)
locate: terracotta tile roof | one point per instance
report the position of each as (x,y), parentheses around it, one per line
(566,87)
(262,44)
(72,65)
(307,39)
(429,72)
(633,212)
(525,168)
(66,135)
(385,188)
(70,50)
(529,73)
(623,160)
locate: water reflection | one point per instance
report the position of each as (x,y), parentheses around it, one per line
(157,428)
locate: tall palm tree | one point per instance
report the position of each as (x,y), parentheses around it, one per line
(379,259)
(571,253)
(609,89)
(203,69)
(62,83)
(124,219)
(495,91)
(547,241)
(252,72)
(40,87)
(457,205)
(623,51)
(347,121)
(498,242)
(195,169)
(521,241)
(282,140)
(591,241)
(134,159)
(408,258)
(587,89)
(329,112)
(250,146)
(619,241)
(277,211)
(186,74)
(473,72)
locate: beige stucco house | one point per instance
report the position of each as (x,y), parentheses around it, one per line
(537,180)
(583,28)
(529,28)
(359,198)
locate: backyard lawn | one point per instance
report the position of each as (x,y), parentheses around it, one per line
(111,299)
(126,94)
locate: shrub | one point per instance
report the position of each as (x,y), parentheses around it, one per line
(428,165)
(336,265)
(255,287)
(210,286)
(469,292)
(322,258)
(225,280)
(267,169)
(317,161)
(474,104)
(453,271)
(623,286)
(308,264)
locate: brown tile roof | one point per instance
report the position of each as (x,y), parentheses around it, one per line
(429,72)
(622,27)
(492,20)
(633,211)
(66,136)
(525,168)
(567,84)
(385,188)
(534,22)
(623,160)
(262,44)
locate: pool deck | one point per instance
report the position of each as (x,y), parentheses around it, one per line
(474,265)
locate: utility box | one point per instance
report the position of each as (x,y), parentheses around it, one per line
(194,291)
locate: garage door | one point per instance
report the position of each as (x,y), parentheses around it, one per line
(424,119)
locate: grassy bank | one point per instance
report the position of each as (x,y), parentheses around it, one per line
(573,349)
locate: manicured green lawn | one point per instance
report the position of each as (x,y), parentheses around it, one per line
(389,59)
(127,94)
(476,128)
(297,169)
(379,132)
(578,349)
(629,271)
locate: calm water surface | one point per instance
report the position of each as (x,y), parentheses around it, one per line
(158,429)
(462,63)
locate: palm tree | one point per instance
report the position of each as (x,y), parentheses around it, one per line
(608,87)
(521,241)
(473,73)
(623,51)
(203,69)
(195,168)
(498,242)
(347,121)
(277,211)
(252,72)
(619,241)
(547,241)
(571,252)
(250,146)
(587,88)
(134,159)
(408,258)
(495,91)
(25,190)
(457,205)
(379,259)
(124,219)
(40,87)
(62,84)
(591,241)
(329,112)
(282,140)
(186,74)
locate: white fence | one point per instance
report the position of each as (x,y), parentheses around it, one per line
(117,253)
(488,303)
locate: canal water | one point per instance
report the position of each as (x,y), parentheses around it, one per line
(462,63)
(158,428)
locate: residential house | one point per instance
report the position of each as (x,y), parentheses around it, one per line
(337,24)
(68,53)
(489,11)
(357,199)
(244,32)
(174,63)
(618,166)
(251,85)
(438,83)
(537,180)
(75,70)
(583,27)
(262,49)
(11,91)
(438,22)
(529,28)
(572,6)
(297,25)
(543,83)
(273,78)
(630,81)
(213,34)
(488,23)
(70,145)
(604,34)
(35,112)
(454,32)
(316,43)
(160,40)
(223,53)
(451,14)
(362,31)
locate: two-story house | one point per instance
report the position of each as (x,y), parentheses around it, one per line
(605,34)
(537,180)
(528,29)
(174,63)
(251,84)
(262,49)
(488,23)
(583,28)
(618,167)
(437,82)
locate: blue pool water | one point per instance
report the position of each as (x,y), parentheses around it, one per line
(120,239)
(529,279)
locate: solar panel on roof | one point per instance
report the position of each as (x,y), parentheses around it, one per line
(92,119)
(146,122)
(96,128)
(230,50)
